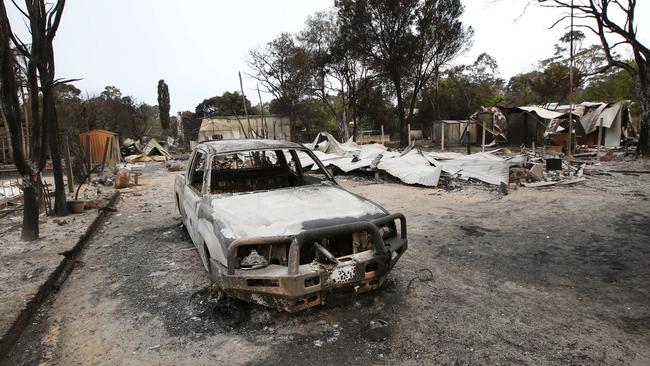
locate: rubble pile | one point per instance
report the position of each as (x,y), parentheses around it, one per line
(134,152)
(413,165)
(498,167)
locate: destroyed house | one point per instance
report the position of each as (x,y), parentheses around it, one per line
(532,124)
(274,127)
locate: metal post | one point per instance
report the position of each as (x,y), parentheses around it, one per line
(442,133)
(382,134)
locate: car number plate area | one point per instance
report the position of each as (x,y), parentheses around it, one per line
(343,274)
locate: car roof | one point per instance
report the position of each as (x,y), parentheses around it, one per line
(227,146)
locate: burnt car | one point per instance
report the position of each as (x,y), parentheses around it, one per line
(273,227)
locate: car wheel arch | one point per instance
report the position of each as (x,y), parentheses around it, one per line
(205,256)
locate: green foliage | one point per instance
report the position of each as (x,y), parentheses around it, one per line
(519,91)
(374,109)
(313,116)
(612,86)
(404,42)
(228,104)
(69,109)
(109,110)
(550,81)
(191,125)
(163,104)
(463,91)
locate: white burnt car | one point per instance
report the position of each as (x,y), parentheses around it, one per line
(273,227)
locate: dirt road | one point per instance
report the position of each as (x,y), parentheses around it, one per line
(551,276)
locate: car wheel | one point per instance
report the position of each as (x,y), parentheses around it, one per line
(180,211)
(206,258)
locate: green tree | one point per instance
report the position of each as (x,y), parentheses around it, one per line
(405,42)
(163,104)
(69,107)
(463,91)
(614,85)
(113,111)
(228,104)
(191,125)
(314,117)
(374,107)
(519,90)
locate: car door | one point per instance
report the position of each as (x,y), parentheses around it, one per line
(193,192)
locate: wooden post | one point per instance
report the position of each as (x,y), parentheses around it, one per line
(600,136)
(4,157)
(571,64)
(409,132)
(382,134)
(442,135)
(68,165)
(469,141)
(265,126)
(274,129)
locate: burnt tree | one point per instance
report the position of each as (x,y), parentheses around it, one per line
(283,69)
(43,22)
(404,43)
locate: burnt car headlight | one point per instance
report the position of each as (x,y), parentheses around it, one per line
(262,255)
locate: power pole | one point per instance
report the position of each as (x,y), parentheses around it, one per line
(243,97)
(570,151)
(265,127)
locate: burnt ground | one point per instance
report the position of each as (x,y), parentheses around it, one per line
(550,276)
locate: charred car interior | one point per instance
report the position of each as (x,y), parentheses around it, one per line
(273,227)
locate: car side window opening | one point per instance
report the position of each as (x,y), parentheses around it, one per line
(250,171)
(197,171)
(312,172)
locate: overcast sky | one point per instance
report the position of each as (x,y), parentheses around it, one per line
(198,46)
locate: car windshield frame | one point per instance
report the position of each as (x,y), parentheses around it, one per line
(329,178)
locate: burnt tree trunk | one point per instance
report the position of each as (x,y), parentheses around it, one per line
(31,209)
(43,21)
(643,147)
(403,129)
(60,204)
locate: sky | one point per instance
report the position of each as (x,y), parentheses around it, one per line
(198,46)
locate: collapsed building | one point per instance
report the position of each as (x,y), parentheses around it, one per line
(413,165)
(537,126)
(274,127)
